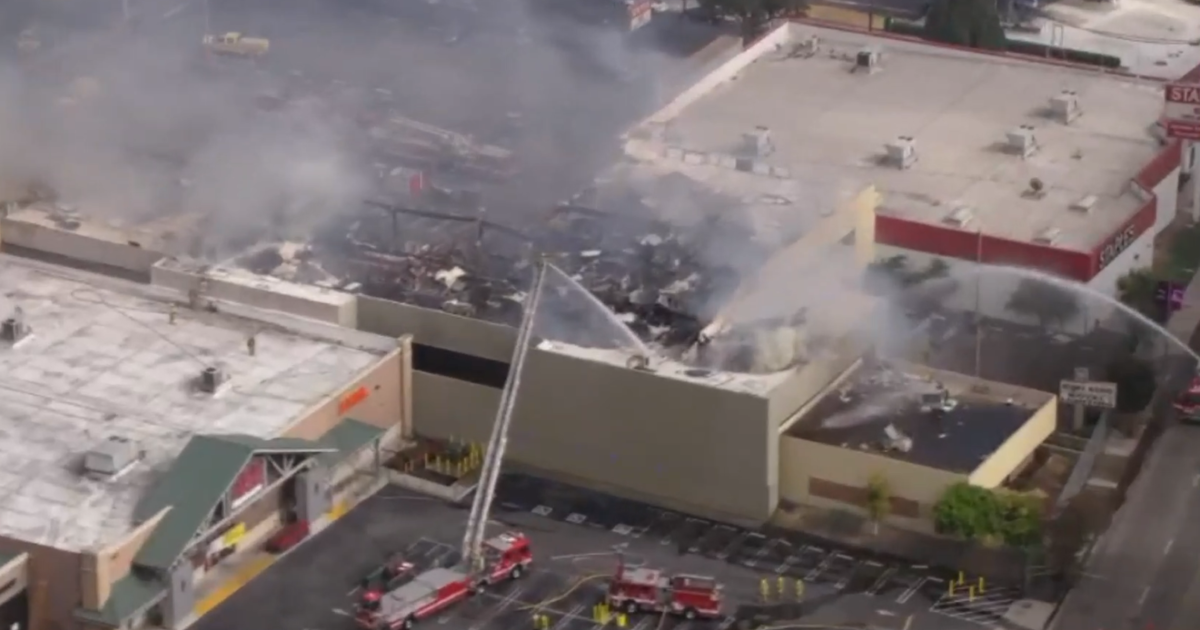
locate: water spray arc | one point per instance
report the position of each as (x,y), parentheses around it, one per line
(1086,291)
(481,507)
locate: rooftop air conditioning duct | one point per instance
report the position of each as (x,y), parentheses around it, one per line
(867,60)
(902,152)
(961,217)
(758,142)
(1022,141)
(1065,107)
(1085,204)
(1048,236)
(110,458)
(211,379)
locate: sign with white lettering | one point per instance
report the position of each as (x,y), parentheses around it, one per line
(1181,112)
(1117,244)
(1088,393)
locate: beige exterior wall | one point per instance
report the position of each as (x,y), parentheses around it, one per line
(16,573)
(1012,456)
(384,405)
(444,407)
(98,570)
(802,460)
(53,575)
(846,16)
(437,328)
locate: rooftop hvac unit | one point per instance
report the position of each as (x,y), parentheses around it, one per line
(1048,236)
(110,458)
(867,60)
(1084,204)
(902,152)
(13,328)
(211,379)
(1022,141)
(895,440)
(1065,107)
(758,142)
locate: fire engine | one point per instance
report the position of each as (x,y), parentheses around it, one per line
(650,590)
(505,557)
(1188,402)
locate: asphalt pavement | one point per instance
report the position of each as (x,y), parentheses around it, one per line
(315,586)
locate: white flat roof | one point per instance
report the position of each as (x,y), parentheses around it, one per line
(104,361)
(831,125)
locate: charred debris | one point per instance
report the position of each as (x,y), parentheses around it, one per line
(661,279)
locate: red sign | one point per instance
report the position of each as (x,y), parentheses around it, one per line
(252,479)
(1183,130)
(416,184)
(1114,245)
(1183,93)
(351,400)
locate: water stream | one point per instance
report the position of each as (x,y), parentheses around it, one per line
(1087,292)
(555,323)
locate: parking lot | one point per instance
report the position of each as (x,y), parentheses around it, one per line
(315,586)
(825,569)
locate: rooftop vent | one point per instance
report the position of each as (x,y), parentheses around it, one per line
(902,152)
(1022,141)
(809,47)
(13,329)
(211,379)
(1065,107)
(960,217)
(1048,236)
(895,440)
(110,458)
(1084,204)
(758,142)
(867,60)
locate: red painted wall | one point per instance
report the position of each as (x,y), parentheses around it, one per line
(950,242)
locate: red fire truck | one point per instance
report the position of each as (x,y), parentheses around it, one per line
(506,556)
(1187,403)
(649,590)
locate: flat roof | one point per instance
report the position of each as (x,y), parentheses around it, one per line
(104,361)
(857,415)
(829,123)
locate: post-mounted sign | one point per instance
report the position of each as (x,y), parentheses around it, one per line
(1088,393)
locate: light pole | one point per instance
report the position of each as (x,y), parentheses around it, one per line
(978,300)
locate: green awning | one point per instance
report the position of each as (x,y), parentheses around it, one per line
(129,596)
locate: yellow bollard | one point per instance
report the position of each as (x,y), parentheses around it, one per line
(961,578)
(781,585)
(622,620)
(799,589)
(605,613)
(981,584)
(596,612)
(545,622)
(428,458)
(537,622)
(765,589)
(950,589)
(971,594)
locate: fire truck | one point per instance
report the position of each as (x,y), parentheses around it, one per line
(640,589)
(505,557)
(1187,403)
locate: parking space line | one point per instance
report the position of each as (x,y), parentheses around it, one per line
(820,568)
(733,544)
(881,581)
(568,618)
(911,590)
(508,600)
(758,555)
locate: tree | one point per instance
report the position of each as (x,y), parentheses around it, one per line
(1136,290)
(879,500)
(1043,301)
(753,15)
(1022,518)
(967,511)
(1135,381)
(971,23)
